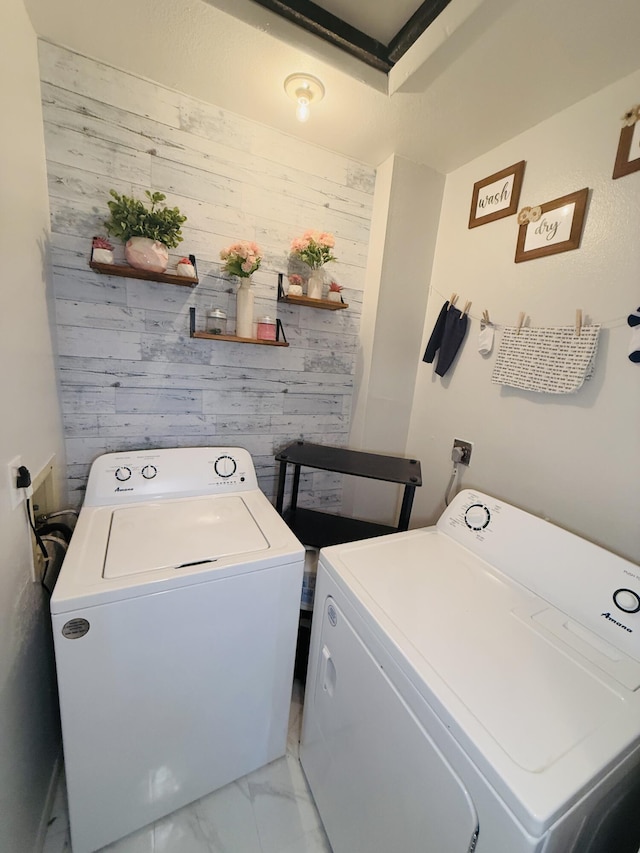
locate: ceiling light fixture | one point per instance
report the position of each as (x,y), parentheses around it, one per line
(303,89)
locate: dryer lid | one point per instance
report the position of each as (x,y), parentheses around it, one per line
(179,534)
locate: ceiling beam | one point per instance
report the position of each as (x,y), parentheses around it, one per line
(329,27)
(423,17)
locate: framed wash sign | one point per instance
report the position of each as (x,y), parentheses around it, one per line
(497,195)
(552,227)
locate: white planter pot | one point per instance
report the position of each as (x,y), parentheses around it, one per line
(334,296)
(244,309)
(315,284)
(102,256)
(295,290)
(186,270)
(145,254)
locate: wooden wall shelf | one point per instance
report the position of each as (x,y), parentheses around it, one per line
(327,304)
(125,271)
(307,302)
(208,336)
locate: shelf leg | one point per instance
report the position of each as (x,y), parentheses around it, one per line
(296,484)
(405,509)
(282,476)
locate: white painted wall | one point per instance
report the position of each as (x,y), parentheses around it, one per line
(30,427)
(575,459)
(403,237)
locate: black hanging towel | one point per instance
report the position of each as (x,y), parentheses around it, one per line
(446,338)
(436,336)
(455,328)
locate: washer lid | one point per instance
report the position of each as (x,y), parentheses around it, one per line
(179,534)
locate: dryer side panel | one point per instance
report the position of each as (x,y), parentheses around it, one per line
(378,779)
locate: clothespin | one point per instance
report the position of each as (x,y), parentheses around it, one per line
(467,305)
(485,317)
(521,317)
(578,321)
(453,299)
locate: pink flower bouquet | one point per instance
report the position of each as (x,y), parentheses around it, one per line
(314,248)
(241,259)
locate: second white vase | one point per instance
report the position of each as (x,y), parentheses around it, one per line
(244,309)
(315,284)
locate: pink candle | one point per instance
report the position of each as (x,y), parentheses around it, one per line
(266,329)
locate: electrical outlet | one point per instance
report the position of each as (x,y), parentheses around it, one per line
(16,495)
(466,447)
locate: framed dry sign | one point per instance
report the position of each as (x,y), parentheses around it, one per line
(628,154)
(552,227)
(497,195)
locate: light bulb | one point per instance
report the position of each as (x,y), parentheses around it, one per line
(302,110)
(303,88)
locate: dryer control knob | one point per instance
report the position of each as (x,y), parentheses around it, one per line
(123,474)
(225,466)
(627,600)
(149,472)
(477,516)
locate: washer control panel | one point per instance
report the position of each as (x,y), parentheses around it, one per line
(627,600)
(225,466)
(477,516)
(593,586)
(177,472)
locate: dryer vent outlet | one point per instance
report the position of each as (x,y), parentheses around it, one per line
(461,452)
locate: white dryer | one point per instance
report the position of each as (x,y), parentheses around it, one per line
(475,686)
(175,620)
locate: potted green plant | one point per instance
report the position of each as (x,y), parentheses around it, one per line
(148,230)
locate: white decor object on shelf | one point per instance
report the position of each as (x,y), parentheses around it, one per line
(244,309)
(185,268)
(315,284)
(142,253)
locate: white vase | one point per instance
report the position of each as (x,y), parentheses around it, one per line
(145,254)
(315,284)
(244,309)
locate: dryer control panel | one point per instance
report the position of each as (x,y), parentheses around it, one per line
(120,478)
(588,583)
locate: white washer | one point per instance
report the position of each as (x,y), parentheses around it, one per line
(474,686)
(175,620)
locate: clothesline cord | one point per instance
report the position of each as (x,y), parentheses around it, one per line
(617,322)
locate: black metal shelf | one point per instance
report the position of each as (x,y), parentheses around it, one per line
(320,529)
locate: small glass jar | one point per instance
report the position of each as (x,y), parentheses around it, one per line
(217,322)
(266,329)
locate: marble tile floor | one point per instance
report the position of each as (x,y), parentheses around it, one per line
(268,811)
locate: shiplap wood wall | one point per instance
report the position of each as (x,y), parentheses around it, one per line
(130,376)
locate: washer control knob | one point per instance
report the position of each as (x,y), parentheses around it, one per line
(149,472)
(627,600)
(477,516)
(225,466)
(123,473)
